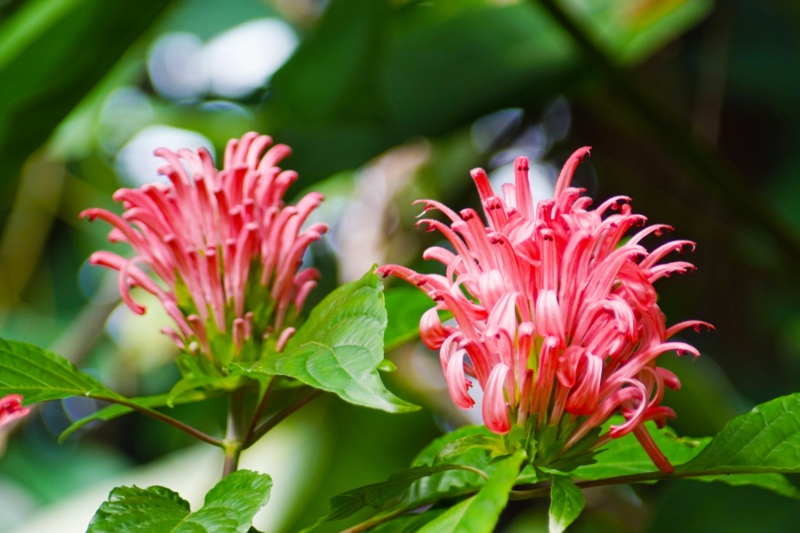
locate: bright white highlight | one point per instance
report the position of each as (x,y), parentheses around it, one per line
(135,161)
(232,64)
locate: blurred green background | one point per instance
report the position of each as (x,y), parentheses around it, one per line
(692,108)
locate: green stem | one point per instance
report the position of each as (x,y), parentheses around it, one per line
(234,435)
(278,418)
(628,479)
(472,469)
(257,414)
(161,417)
(540,492)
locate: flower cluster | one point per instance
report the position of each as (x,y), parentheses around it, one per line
(555,311)
(11,409)
(225,246)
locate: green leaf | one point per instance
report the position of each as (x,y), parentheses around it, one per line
(625,456)
(450,519)
(460,446)
(340,347)
(480,513)
(39,375)
(427,456)
(116,410)
(429,479)
(55,51)
(379,494)
(155,509)
(243,491)
(229,506)
(405,306)
(566,503)
(777,483)
(447,483)
(767,439)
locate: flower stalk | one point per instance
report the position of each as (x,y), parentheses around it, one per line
(161,417)
(279,417)
(234,436)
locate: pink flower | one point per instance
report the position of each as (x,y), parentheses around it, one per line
(225,247)
(555,311)
(11,409)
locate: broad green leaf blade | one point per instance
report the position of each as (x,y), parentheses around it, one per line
(153,509)
(460,446)
(479,514)
(447,483)
(116,410)
(340,347)
(244,492)
(450,519)
(437,472)
(229,506)
(39,375)
(777,483)
(379,494)
(52,53)
(566,503)
(625,456)
(405,306)
(765,440)
(441,445)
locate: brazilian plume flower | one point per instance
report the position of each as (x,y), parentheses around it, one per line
(11,409)
(554,311)
(223,244)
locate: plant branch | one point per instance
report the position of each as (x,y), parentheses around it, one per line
(279,417)
(233,436)
(630,478)
(472,469)
(257,414)
(161,417)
